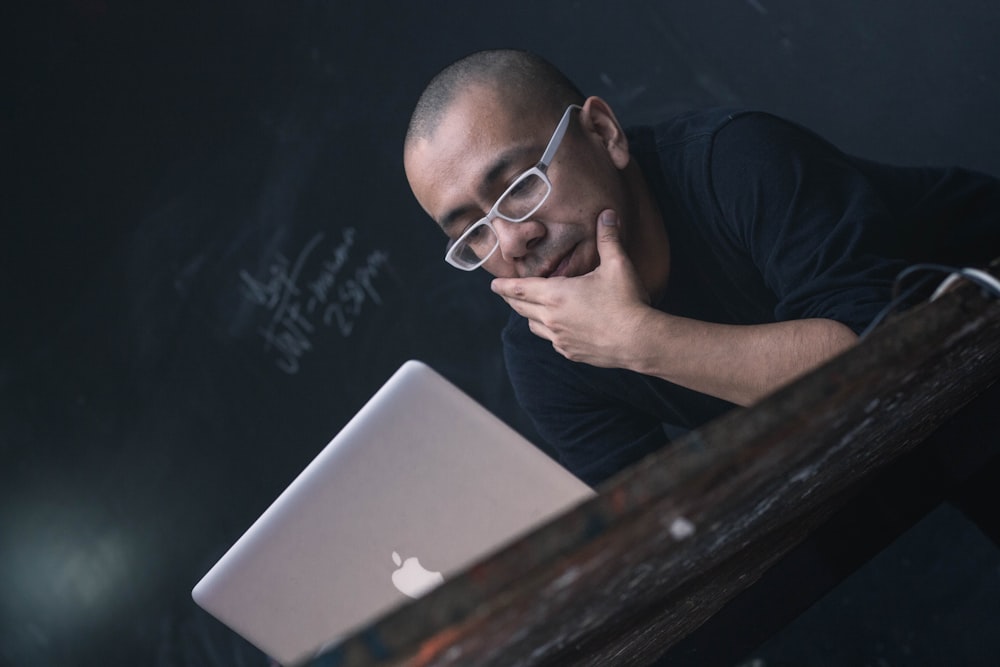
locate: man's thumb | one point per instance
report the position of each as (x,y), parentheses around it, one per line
(607,227)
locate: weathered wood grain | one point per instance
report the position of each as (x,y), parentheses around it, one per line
(669,541)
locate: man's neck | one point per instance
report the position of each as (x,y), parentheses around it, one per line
(648,244)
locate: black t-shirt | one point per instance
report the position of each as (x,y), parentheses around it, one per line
(767,222)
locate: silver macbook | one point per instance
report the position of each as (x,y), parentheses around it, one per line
(419,484)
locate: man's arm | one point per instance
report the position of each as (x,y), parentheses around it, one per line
(738,363)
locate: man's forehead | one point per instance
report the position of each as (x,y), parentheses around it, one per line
(474,141)
(476,118)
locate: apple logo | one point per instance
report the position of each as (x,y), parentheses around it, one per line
(412,579)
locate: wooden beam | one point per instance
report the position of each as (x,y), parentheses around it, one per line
(670,540)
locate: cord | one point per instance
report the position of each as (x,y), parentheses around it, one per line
(987,282)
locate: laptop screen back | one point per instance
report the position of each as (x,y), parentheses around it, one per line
(420,483)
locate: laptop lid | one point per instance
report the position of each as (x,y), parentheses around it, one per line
(419,484)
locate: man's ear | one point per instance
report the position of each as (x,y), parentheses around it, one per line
(597,118)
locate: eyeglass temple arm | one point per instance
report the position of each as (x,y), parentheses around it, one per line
(557,136)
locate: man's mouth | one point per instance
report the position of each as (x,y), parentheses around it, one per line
(561,266)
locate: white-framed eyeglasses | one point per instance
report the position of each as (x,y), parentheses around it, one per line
(517,203)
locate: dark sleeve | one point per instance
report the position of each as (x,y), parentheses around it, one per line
(815,224)
(586,414)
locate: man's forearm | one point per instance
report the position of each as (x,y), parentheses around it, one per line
(738,363)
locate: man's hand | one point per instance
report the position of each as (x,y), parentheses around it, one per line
(591,318)
(604,319)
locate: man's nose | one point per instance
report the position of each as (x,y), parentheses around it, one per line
(517,238)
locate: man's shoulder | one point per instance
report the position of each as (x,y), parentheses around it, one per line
(695,124)
(698,128)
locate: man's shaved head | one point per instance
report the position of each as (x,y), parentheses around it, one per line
(483,123)
(524,81)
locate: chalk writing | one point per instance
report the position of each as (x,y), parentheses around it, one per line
(334,295)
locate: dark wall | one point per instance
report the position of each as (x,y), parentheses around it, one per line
(212,258)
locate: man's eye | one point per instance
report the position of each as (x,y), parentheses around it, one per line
(465,234)
(528,189)
(477,234)
(520,188)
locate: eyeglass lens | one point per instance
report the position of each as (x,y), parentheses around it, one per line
(479,243)
(521,200)
(516,204)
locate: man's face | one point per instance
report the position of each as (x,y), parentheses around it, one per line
(480,147)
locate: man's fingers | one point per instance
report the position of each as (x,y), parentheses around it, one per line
(540,330)
(503,286)
(517,288)
(523,308)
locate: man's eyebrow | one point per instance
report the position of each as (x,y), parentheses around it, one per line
(452,217)
(500,166)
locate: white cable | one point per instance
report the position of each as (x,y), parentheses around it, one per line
(981,278)
(946,285)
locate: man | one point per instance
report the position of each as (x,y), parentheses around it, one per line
(659,277)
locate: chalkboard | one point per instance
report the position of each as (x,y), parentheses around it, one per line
(212,258)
